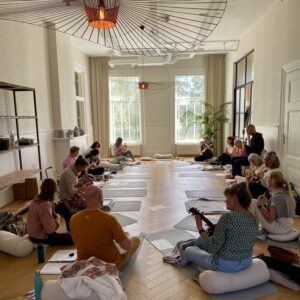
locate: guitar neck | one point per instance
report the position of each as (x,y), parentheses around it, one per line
(207,221)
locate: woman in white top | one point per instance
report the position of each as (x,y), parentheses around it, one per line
(120,151)
(276,214)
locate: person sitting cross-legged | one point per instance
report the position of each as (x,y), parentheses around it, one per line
(95,232)
(230,247)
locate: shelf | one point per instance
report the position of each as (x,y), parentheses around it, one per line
(16,148)
(16,207)
(16,177)
(13,87)
(18,117)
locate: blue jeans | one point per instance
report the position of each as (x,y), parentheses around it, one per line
(203,259)
(237,163)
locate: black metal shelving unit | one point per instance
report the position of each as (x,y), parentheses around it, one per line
(15,89)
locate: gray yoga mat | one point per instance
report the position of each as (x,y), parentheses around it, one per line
(126,206)
(116,184)
(126,271)
(133,176)
(116,193)
(248,294)
(124,220)
(209,207)
(199,174)
(188,222)
(173,236)
(214,194)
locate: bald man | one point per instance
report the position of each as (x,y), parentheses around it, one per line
(254,145)
(95,232)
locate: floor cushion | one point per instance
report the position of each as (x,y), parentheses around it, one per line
(214,282)
(162,156)
(15,245)
(290,236)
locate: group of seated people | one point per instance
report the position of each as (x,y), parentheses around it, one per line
(229,249)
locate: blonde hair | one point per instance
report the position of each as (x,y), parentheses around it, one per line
(254,156)
(280,182)
(238,143)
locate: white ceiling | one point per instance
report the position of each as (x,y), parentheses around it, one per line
(238,18)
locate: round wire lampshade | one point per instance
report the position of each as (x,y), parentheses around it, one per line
(171,26)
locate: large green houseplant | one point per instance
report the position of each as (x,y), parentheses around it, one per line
(210,120)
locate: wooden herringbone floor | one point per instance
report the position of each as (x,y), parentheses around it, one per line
(151,278)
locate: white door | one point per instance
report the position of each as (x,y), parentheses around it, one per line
(290,120)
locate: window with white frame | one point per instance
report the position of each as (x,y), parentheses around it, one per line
(80,99)
(125,109)
(189,99)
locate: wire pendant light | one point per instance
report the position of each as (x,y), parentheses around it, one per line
(171,26)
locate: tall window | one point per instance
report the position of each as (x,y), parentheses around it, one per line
(80,99)
(125,109)
(244,70)
(189,98)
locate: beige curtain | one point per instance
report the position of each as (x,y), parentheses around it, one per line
(215,90)
(100,101)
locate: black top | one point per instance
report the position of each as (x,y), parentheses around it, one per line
(257,144)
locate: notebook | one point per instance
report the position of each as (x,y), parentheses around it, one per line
(61,256)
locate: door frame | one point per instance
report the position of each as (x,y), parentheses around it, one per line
(295,65)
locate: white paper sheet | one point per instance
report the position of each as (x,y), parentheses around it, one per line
(162,244)
(52,268)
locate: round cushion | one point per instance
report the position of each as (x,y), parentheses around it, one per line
(14,244)
(146,158)
(163,156)
(52,290)
(290,236)
(214,282)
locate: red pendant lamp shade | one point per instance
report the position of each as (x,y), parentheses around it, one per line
(143,85)
(102,14)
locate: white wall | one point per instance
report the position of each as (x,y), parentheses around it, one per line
(275,39)
(26,54)
(158,131)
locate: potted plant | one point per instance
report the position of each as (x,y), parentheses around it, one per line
(210,120)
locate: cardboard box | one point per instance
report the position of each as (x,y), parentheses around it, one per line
(31,188)
(19,191)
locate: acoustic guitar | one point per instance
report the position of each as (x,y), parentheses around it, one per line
(211,226)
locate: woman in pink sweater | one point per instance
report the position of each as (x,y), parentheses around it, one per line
(43,221)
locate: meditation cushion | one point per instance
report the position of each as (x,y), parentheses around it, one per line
(52,290)
(162,156)
(146,158)
(214,282)
(14,244)
(290,236)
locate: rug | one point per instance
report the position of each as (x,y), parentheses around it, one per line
(116,184)
(126,206)
(217,195)
(116,193)
(124,220)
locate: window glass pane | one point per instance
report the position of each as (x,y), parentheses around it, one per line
(237,124)
(80,100)
(237,101)
(242,125)
(125,109)
(241,72)
(250,67)
(189,99)
(242,100)
(248,94)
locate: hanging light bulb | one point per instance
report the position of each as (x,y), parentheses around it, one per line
(102,11)
(142,84)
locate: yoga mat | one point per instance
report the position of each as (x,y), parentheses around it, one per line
(188,222)
(215,194)
(199,174)
(116,193)
(116,184)
(292,244)
(165,241)
(124,220)
(248,294)
(133,176)
(126,206)
(172,237)
(126,271)
(210,207)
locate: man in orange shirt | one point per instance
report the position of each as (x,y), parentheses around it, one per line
(95,232)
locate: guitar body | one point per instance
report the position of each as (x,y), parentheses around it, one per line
(211,226)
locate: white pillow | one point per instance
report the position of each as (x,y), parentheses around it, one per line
(290,236)
(214,282)
(52,290)
(162,156)
(15,245)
